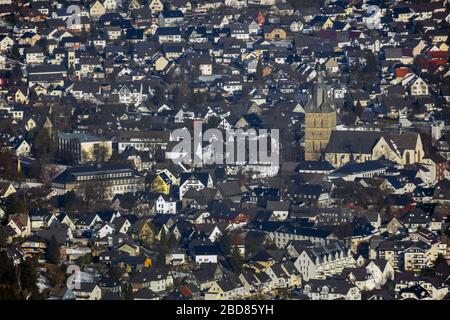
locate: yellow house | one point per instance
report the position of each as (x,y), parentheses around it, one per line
(161,63)
(163,182)
(30,40)
(443,47)
(6,189)
(419,47)
(156,6)
(143,231)
(130,248)
(97,9)
(221,290)
(21,97)
(274,34)
(31,124)
(328,24)
(160,185)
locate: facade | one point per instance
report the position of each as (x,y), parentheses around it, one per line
(143,140)
(324,261)
(83,148)
(104,181)
(361,146)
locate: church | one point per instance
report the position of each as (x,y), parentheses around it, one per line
(320,120)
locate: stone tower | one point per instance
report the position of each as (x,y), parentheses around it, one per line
(320,120)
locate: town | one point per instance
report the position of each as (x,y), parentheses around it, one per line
(97,202)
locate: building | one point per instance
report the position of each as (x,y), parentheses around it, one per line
(103,181)
(320,120)
(283,232)
(83,148)
(143,140)
(360,146)
(194,180)
(324,261)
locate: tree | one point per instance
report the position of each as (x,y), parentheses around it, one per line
(53,250)
(172,242)
(225,244)
(57,277)
(8,164)
(259,70)
(127,292)
(70,202)
(236,260)
(358,109)
(102,153)
(163,247)
(42,144)
(159,97)
(3,237)
(180,94)
(28,276)
(7,272)
(11,206)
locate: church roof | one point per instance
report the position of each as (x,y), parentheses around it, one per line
(319,102)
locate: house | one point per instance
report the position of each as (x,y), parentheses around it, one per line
(323,261)
(283,232)
(87,291)
(62,292)
(155,279)
(20,224)
(176,257)
(145,294)
(34,55)
(6,189)
(168,34)
(194,180)
(225,289)
(97,9)
(331,290)
(110,5)
(274,33)
(156,6)
(163,182)
(5,43)
(166,205)
(283,276)
(205,253)
(170,18)
(280,209)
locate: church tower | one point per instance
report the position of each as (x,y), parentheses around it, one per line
(320,120)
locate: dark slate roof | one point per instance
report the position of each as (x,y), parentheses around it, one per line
(286,227)
(352,141)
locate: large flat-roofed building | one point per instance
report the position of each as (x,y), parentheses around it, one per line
(103,181)
(83,148)
(143,140)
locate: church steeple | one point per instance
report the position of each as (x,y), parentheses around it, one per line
(318,100)
(320,119)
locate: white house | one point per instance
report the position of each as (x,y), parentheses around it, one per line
(324,261)
(166,205)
